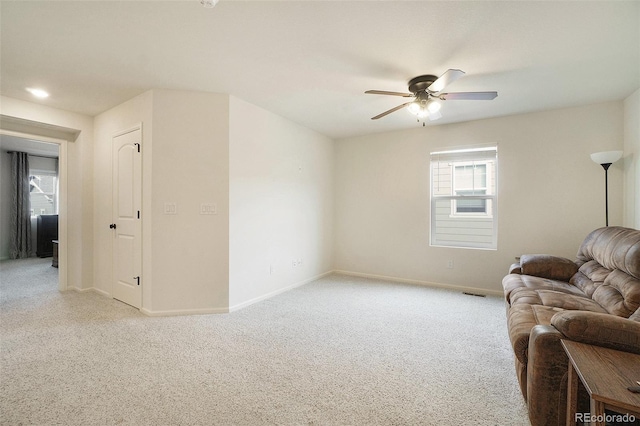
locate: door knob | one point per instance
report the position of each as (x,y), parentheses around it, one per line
(112,226)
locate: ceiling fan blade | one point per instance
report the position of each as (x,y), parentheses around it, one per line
(472,96)
(445,79)
(391,110)
(383,92)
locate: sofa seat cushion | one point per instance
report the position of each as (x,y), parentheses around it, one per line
(512,282)
(554,299)
(521,319)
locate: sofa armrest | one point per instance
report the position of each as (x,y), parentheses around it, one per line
(599,329)
(547,266)
(547,369)
(515,268)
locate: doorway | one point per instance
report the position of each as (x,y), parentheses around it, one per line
(43,147)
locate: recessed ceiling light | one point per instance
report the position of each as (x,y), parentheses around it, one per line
(38,93)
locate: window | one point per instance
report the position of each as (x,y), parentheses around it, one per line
(43,194)
(43,185)
(471,178)
(463,198)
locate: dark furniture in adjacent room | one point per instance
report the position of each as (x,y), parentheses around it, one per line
(54,261)
(47,232)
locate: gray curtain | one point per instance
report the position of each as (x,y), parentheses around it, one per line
(20,207)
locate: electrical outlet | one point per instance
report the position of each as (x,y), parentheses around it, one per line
(272,270)
(450,264)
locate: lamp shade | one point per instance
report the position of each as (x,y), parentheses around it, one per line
(606,157)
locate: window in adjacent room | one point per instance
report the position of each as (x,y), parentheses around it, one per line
(464,198)
(43,186)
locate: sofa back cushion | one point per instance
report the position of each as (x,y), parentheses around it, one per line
(609,269)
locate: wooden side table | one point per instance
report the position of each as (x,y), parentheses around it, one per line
(606,374)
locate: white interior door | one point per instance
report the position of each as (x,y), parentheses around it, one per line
(127,229)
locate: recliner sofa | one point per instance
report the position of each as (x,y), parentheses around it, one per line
(594,299)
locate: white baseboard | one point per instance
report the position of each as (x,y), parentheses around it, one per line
(224,310)
(473,290)
(275,293)
(208,311)
(152,313)
(180,312)
(92,289)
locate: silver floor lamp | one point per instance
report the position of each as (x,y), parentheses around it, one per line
(605,159)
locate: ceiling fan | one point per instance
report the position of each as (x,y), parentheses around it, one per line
(427,91)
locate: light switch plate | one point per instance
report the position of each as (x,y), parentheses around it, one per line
(208,208)
(170,208)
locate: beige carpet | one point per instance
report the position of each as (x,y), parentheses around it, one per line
(338,351)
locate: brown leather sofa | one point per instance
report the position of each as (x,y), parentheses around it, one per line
(594,300)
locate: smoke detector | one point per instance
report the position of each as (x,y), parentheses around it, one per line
(208,3)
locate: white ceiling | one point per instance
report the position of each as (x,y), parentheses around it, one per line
(30,146)
(311,61)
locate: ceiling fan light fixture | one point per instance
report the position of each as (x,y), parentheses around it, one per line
(418,109)
(426,93)
(433,106)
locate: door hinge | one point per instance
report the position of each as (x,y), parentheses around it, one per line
(138,214)
(138,146)
(137,279)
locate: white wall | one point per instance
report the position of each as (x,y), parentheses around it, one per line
(190,166)
(550,194)
(280,206)
(273,176)
(184,161)
(632,160)
(79,182)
